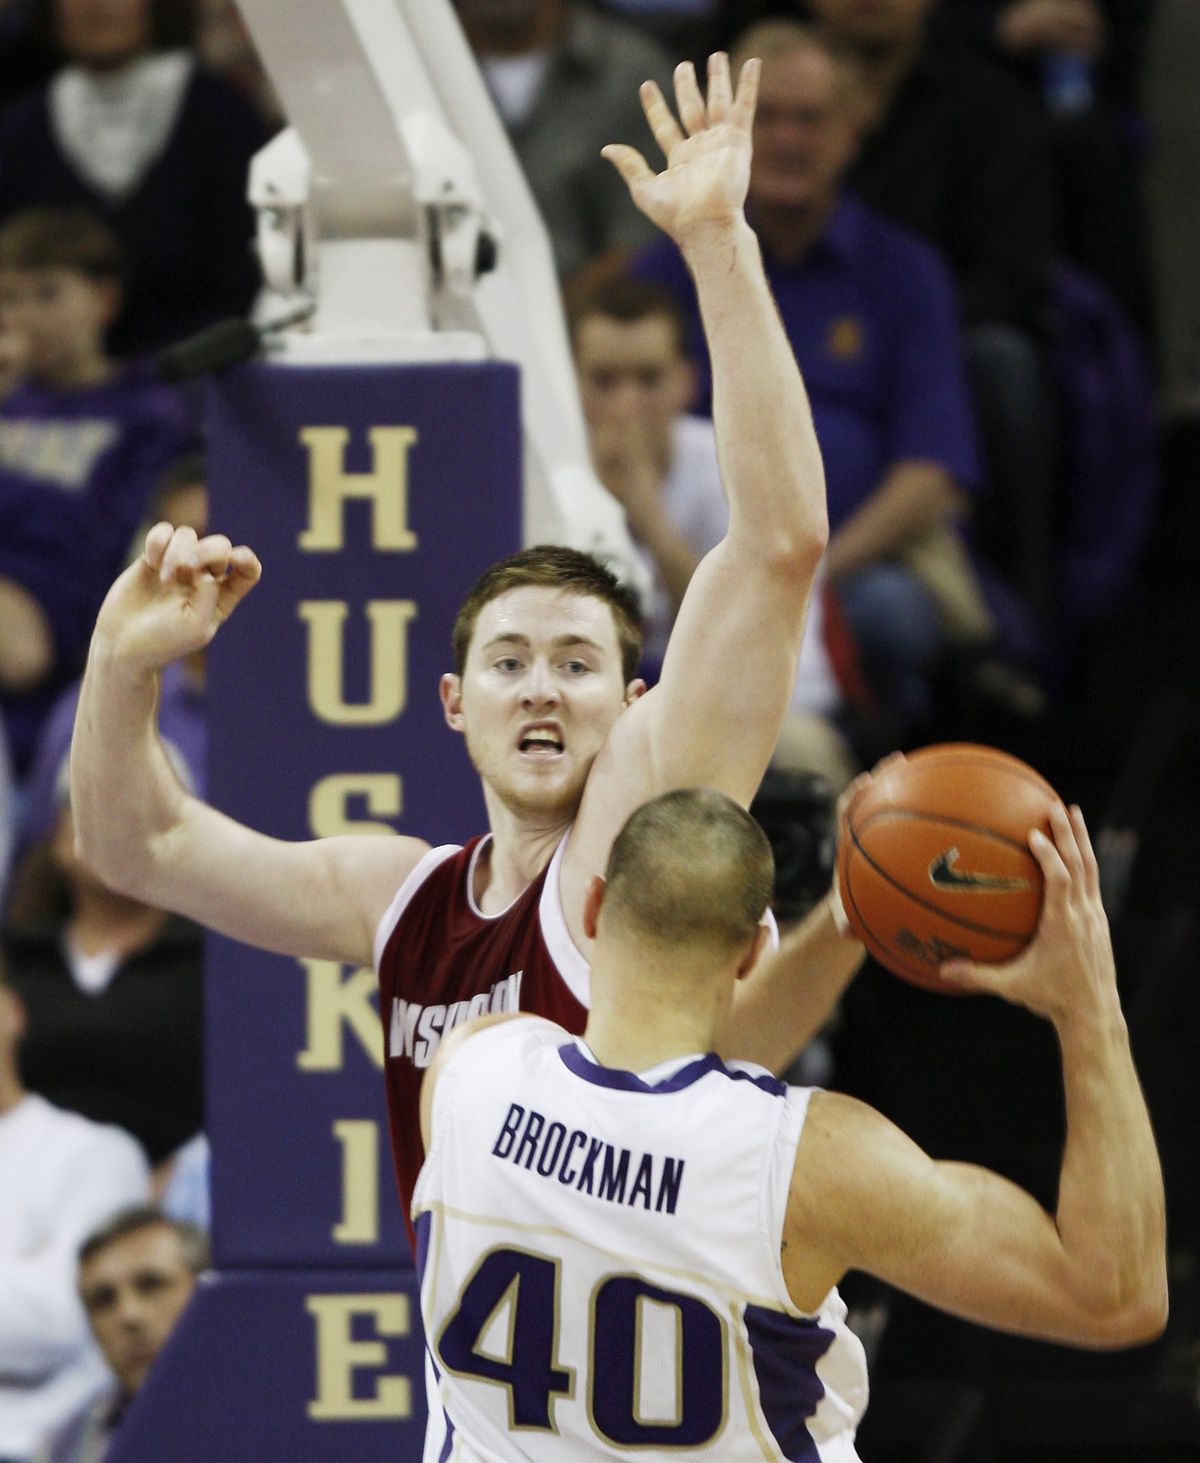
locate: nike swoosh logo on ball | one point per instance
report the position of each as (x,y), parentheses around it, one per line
(943,873)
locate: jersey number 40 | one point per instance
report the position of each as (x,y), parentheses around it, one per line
(505,1331)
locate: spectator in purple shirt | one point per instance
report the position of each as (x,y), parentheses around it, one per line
(181,498)
(83,441)
(870,311)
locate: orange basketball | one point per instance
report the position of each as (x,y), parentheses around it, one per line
(934,861)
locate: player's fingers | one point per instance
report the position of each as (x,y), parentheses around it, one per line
(893,759)
(156,544)
(1063,833)
(855,789)
(1091,865)
(631,165)
(176,561)
(720,91)
(245,571)
(666,129)
(1054,871)
(966,975)
(212,554)
(690,103)
(746,98)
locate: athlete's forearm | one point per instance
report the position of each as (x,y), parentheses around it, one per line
(770,460)
(125,796)
(1111,1211)
(782,1004)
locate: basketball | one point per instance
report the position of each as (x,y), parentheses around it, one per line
(934,862)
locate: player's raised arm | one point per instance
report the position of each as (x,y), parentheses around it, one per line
(962,1238)
(145,835)
(729,670)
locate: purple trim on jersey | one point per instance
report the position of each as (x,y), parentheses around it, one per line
(786,1350)
(575,1061)
(421,1227)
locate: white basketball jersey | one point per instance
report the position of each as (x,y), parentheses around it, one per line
(598,1255)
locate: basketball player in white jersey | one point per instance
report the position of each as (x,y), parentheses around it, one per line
(625,1242)
(544,692)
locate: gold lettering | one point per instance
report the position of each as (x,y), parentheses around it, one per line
(334,1003)
(329,485)
(359,1224)
(327,802)
(388,685)
(339,1356)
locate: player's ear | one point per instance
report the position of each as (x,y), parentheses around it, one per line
(450,690)
(761,936)
(633,690)
(592,901)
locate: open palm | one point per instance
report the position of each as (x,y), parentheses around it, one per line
(707,149)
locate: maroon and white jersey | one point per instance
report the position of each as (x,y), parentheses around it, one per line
(441,960)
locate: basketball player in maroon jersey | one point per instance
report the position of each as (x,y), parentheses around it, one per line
(544,691)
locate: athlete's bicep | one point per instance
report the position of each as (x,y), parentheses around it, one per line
(321,898)
(714,717)
(954,1235)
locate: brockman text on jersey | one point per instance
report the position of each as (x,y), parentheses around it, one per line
(589,1165)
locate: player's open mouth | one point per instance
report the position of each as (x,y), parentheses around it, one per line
(541,741)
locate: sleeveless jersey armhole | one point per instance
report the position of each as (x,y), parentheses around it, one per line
(572,965)
(778,1187)
(403,896)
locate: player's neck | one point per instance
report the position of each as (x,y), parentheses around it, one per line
(641,1015)
(520,848)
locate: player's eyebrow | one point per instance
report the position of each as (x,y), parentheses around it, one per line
(560,642)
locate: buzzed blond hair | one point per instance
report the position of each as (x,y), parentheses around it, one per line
(691,867)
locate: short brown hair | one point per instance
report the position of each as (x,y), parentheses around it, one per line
(61,238)
(691,867)
(628,301)
(554,566)
(193,1241)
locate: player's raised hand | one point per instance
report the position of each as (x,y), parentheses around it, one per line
(848,796)
(173,599)
(1067,969)
(707,148)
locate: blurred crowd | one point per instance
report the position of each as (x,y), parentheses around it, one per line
(976,218)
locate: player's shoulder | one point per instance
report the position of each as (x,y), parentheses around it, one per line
(473,1052)
(503,1036)
(397,875)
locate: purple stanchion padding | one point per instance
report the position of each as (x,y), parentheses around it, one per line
(374,497)
(302,1366)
